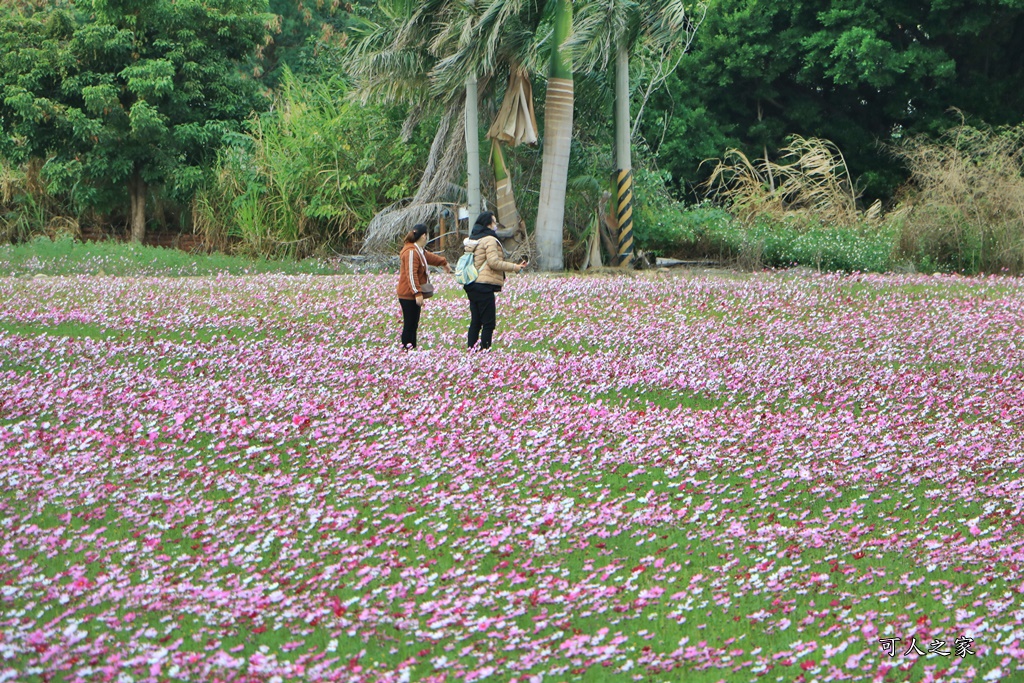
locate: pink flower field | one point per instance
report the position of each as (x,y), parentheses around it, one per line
(665,478)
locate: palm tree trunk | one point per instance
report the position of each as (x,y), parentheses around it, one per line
(558,112)
(472,148)
(623,157)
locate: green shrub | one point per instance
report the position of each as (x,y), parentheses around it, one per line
(825,248)
(310,175)
(705,231)
(662,225)
(680,231)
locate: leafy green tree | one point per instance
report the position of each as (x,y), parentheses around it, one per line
(129,96)
(309,39)
(856,73)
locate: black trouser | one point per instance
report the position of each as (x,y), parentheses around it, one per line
(483,317)
(410,321)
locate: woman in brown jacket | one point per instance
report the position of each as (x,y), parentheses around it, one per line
(489,259)
(412,275)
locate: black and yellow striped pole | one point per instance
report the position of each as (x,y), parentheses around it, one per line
(625,215)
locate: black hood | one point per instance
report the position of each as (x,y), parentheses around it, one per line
(482,231)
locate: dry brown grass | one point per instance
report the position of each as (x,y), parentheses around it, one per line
(810,185)
(964,204)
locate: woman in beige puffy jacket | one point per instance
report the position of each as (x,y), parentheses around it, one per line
(489,259)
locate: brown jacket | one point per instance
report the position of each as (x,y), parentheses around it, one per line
(412,270)
(489,259)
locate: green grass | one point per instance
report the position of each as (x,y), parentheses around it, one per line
(69,257)
(642,397)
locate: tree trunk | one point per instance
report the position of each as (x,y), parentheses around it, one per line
(608,226)
(137,193)
(472,149)
(623,157)
(554,176)
(594,259)
(623,153)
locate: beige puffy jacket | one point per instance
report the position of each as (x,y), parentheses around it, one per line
(489,259)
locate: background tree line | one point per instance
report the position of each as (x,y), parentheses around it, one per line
(270,128)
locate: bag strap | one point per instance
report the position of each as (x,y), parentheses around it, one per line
(426,268)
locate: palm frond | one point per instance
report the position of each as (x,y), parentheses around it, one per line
(482,38)
(597,29)
(668,21)
(388,226)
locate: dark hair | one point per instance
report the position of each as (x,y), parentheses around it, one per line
(485,219)
(418,231)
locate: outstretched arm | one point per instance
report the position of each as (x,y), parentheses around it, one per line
(437,260)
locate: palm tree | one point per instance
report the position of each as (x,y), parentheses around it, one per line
(490,36)
(391,60)
(441,53)
(608,28)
